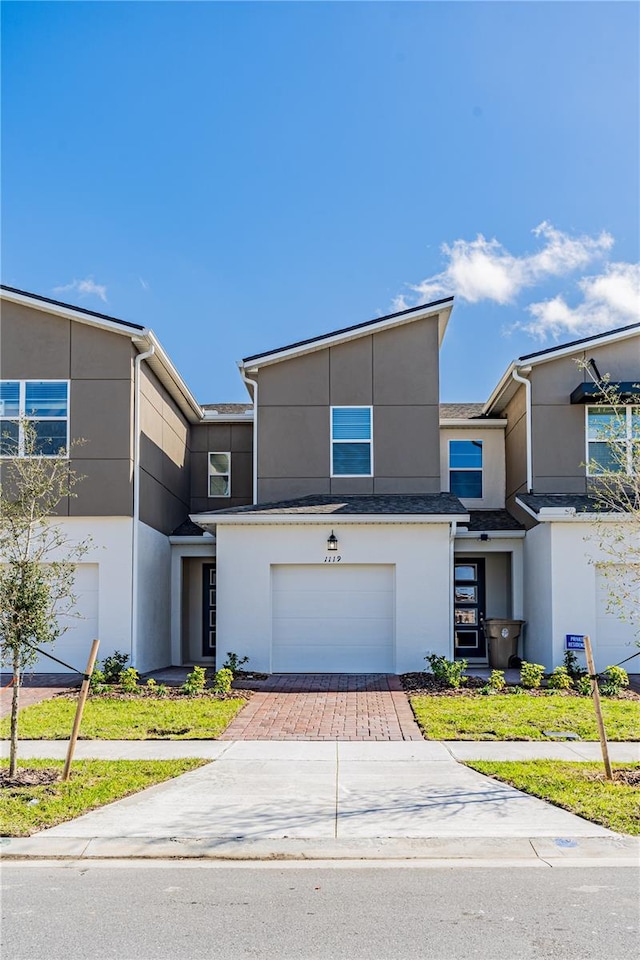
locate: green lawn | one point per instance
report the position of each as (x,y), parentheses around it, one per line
(569,785)
(190,718)
(92,784)
(522,717)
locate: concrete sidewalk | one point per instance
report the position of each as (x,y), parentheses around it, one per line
(330,800)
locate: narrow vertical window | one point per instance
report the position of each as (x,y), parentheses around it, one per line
(219,474)
(465,468)
(351,442)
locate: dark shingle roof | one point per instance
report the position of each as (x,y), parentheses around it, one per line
(430,504)
(228,407)
(71,306)
(575,343)
(581,503)
(484,521)
(460,411)
(188,529)
(356,326)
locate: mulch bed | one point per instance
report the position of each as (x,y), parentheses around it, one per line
(426,685)
(172,693)
(628,775)
(28,778)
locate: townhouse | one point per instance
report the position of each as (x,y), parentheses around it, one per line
(342,519)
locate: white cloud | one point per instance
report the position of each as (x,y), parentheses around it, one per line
(143,284)
(609,300)
(87,287)
(484,269)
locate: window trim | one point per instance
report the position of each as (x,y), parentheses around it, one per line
(22,416)
(350,406)
(628,440)
(479,470)
(218,496)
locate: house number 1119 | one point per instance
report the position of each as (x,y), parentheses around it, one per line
(336,559)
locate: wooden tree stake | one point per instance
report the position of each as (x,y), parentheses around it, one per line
(598,708)
(84,690)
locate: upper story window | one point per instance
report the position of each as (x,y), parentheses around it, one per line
(34,418)
(465,468)
(219,474)
(613,440)
(351,442)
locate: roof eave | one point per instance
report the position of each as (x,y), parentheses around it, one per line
(207,521)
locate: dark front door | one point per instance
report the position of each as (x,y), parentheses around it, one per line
(208,609)
(468,606)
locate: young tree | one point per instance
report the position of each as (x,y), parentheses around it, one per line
(37,559)
(614,470)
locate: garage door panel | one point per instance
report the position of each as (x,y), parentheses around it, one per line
(80,628)
(333,618)
(615,638)
(353,604)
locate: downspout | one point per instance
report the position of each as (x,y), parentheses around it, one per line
(452,570)
(527,387)
(136,498)
(254,393)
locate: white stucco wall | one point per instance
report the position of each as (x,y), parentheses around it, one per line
(561,596)
(103,588)
(153,646)
(493,463)
(419,552)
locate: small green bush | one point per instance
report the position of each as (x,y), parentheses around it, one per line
(613,680)
(583,685)
(560,679)
(195,681)
(151,685)
(234,662)
(97,682)
(161,690)
(113,666)
(222,680)
(449,672)
(129,680)
(572,666)
(531,675)
(497,681)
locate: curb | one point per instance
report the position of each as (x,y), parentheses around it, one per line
(549,851)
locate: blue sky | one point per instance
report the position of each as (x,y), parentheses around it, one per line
(242,175)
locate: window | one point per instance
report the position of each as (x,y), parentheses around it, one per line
(219,474)
(351,443)
(613,439)
(43,405)
(465,468)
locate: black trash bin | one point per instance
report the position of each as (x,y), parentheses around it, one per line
(502,639)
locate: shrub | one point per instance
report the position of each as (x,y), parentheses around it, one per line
(234,662)
(222,680)
(560,679)
(572,666)
(449,672)
(96,683)
(583,685)
(161,690)
(113,666)
(531,675)
(613,680)
(496,680)
(129,680)
(195,681)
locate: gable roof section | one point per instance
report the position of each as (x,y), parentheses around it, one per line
(506,386)
(143,338)
(441,308)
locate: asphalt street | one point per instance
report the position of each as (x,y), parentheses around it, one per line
(181,911)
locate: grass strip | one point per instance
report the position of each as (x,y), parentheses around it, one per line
(522,717)
(574,786)
(93,783)
(191,718)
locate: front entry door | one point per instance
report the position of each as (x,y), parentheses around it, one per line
(209,609)
(469,607)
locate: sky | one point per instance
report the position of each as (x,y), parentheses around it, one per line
(239,176)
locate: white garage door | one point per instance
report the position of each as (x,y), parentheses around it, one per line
(615,639)
(74,644)
(332,618)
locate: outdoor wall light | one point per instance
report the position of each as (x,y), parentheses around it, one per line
(332,542)
(483,537)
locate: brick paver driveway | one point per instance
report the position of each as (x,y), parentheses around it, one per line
(35,688)
(327,706)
